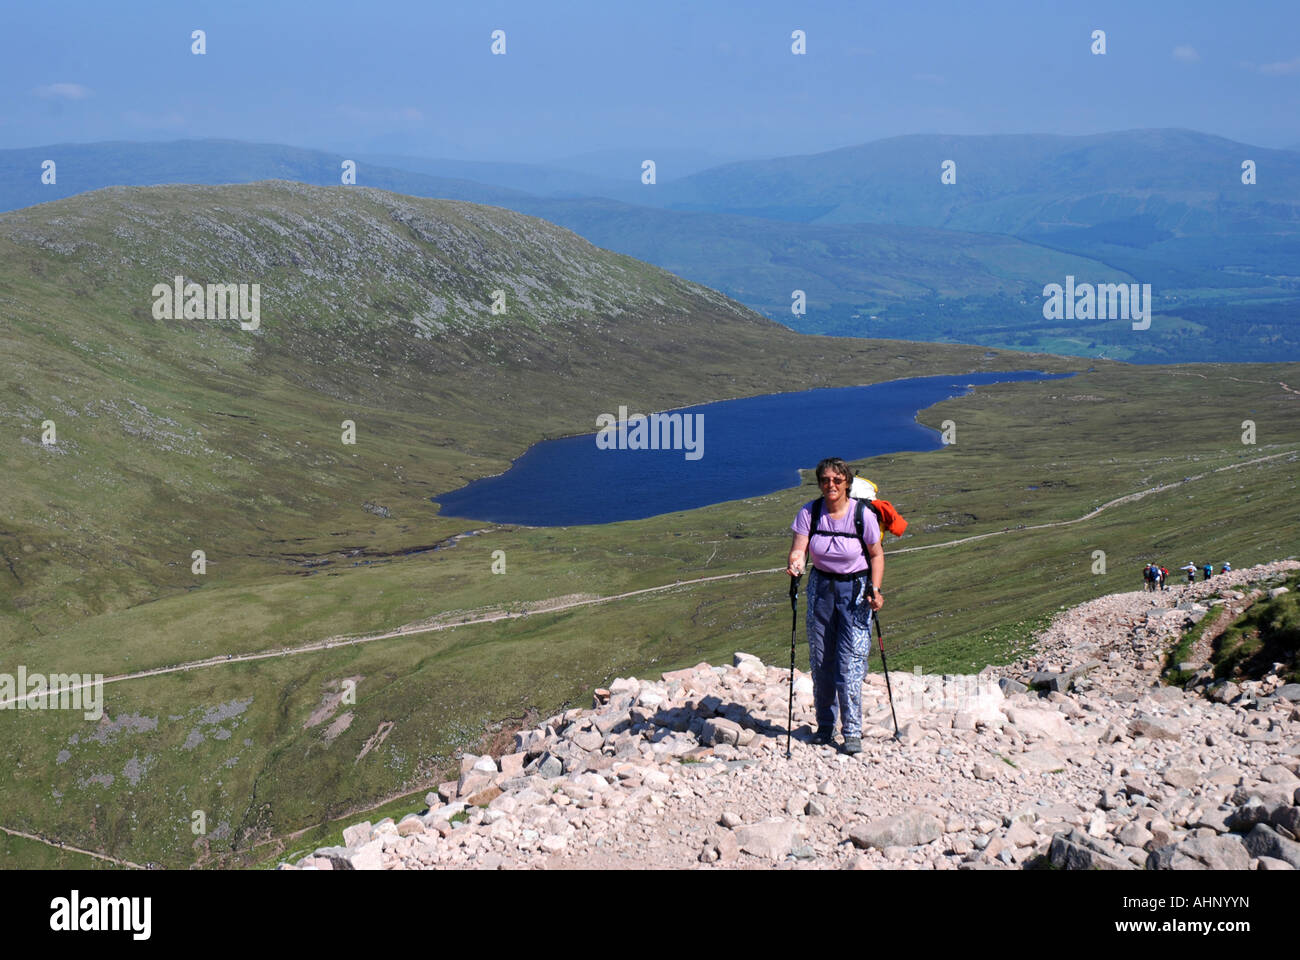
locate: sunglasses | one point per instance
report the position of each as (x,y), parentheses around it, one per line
(838,481)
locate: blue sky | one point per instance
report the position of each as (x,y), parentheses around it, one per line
(717,78)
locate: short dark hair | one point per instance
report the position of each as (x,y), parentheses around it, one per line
(838,466)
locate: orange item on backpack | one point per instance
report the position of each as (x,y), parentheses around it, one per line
(890,519)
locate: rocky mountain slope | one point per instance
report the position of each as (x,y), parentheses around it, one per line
(1109,770)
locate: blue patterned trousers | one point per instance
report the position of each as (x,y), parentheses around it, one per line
(839,642)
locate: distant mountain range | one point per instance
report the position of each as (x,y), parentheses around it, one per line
(878,244)
(1176,181)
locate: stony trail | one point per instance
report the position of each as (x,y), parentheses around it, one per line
(1110,770)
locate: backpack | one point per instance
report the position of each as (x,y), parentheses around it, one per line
(864,491)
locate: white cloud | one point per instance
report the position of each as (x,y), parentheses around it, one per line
(1282,68)
(63,91)
(1187,53)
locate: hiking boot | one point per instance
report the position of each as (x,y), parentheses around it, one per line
(852,745)
(824,736)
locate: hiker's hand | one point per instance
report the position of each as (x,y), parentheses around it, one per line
(876,601)
(795,567)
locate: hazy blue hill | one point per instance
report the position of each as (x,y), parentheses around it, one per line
(1105,208)
(544,181)
(760,262)
(621,163)
(92,166)
(1176,180)
(756,261)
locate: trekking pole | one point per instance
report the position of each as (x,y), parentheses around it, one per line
(794,625)
(871,592)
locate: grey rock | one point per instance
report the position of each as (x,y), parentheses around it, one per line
(1201,853)
(368,856)
(1272,863)
(907,829)
(1182,776)
(550,766)
(720,730)
(1269,795)
(1066,679)
(410,825)
(1290,692)
(1166,694)
(1224,692)
(1216,820)
(1011,687)
(1286,817)
(1155,728)
(1264,841)
(588,739)
(611,721)
(771,839)
(1078,851)
(337,856)
(678,719)
(1242,819)
(357,834)
(1277,774)
(1134,835)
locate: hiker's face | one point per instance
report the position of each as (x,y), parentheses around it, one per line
(834,487)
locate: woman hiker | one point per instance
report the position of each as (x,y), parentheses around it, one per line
(839,608)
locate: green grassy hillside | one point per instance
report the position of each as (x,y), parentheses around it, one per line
(183,435)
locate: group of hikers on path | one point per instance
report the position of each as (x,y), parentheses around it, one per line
(1156,577)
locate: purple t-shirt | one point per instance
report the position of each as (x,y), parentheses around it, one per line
(838,554)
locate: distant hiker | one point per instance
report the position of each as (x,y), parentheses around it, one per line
(1164,577)
(1149,576)
(1227,567)
(1191,571)
(839,609)
(1207,571)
